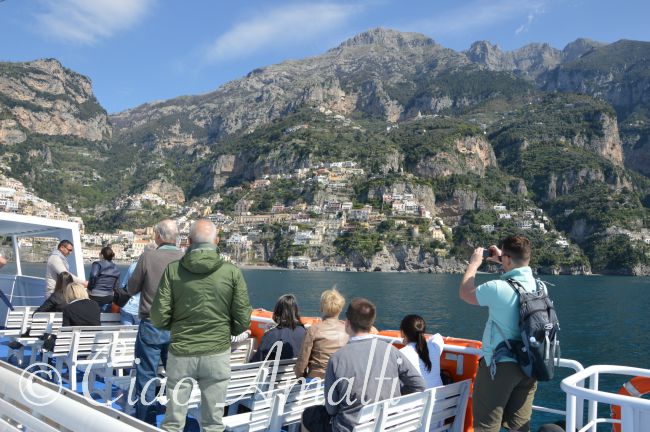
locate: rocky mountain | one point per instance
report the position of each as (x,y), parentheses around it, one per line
(42,97)
(461,130)
(529,61)
(54,135)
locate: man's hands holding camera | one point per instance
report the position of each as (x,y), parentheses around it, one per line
(492,253)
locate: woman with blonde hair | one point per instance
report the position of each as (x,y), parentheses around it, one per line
(80,311)
(322,339)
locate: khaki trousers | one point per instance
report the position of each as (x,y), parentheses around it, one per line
(212,373)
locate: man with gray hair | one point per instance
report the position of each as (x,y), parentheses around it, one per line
(203,301)
(151,343)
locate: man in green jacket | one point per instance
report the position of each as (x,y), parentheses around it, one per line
(203,300)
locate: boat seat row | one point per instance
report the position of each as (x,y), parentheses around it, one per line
(440,409)
(42,323)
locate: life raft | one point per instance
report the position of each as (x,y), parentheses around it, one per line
(636,387)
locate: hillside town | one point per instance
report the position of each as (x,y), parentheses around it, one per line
(308,230)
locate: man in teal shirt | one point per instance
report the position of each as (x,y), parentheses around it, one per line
(503,395)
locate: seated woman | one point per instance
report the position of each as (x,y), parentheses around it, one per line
(56,302)
(80,311)
(423,354)
(322,339)
(289,330)
(104,277)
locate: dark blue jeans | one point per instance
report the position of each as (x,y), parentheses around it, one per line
(150,347)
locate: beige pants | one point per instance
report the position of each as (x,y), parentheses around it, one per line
(212,373)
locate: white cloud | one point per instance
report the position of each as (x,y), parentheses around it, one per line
(524,27)
(87,21)
(479,14)
(287,25)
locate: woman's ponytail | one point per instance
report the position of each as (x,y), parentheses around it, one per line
(414,328)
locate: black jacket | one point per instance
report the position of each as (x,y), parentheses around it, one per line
(54,303)
(291,343)
(82,313)
(104,276)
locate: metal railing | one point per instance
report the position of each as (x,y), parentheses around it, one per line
(635,412)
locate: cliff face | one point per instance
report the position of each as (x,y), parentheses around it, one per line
(42,97)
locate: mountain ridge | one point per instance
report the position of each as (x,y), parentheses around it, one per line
(427,115)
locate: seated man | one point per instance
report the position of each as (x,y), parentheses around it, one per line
(364,371)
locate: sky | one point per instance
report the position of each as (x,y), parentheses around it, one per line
(138,51)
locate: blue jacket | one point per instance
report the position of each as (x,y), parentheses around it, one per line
(104,276)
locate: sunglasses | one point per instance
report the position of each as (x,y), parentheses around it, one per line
(69,250)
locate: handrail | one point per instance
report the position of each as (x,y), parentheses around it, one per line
(570,385)
(573,386)
(13,276)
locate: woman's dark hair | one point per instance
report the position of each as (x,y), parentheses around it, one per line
(63,279)
(107,253)
(285,313)
(414,328)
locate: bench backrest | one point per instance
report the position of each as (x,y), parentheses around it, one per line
(82,341)
(240,352)
(442,407)
(119,351)
(20,318)
(45,322)
(288,403)
(248,379)
(109,318)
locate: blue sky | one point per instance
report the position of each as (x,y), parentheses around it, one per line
(137,51)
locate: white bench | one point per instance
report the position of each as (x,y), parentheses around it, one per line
(430,410)
(281,407)
(18,321)
(241,352)
(247,382)
(30,403)
(75,346)
(41,323)
(112,360)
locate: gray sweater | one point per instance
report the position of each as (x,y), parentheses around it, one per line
(56,263)
(147,274)
(360,363)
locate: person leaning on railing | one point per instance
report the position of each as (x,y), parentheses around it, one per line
(324,338)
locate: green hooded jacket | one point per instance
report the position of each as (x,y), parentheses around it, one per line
(203,300)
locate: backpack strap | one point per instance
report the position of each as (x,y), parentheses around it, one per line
(516,285)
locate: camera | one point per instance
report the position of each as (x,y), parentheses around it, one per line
(486,253)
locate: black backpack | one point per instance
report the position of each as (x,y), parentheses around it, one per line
(539,348)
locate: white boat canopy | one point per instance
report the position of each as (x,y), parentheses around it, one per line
(16,225)
(23,290)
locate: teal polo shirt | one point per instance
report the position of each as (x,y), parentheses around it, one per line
(503,304)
